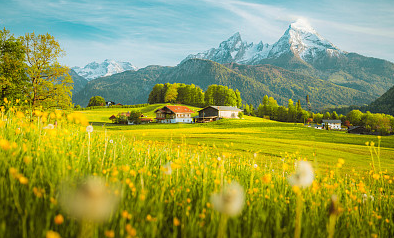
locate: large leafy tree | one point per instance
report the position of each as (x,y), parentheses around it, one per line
(13,80)
(50,82)
(96,101)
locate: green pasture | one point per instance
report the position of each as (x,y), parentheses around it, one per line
(269,139)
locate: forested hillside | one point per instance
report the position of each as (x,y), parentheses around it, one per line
(133,87)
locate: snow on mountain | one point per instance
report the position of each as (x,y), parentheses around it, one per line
(300,39)
(108,67)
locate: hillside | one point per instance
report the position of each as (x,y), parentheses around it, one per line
(384,104)
(133,87)
(79,82)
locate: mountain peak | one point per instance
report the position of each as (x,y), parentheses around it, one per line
(106,68)
(302,25)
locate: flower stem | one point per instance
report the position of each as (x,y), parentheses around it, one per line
(331,225)
(297,231)
(222,226)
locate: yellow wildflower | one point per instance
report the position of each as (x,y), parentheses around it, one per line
(59,219)
(176,222)
(52,234)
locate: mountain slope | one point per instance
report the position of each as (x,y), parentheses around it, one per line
(384,104)
(79,82)
(301,49)
(108,67)
(253,82)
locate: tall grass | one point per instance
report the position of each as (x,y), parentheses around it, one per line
(164,190)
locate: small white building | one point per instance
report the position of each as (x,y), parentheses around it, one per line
(332,124)
(174,114)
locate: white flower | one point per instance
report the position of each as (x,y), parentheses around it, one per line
(49,127)
(90,200)
(255,166)
(167,168)
(89,128)
(366,197)
(219,159)
(111,141)
(304,175)
(230,200)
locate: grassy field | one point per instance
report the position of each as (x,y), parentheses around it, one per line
(231,178)
(269,139)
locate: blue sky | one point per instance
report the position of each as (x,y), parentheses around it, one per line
(164,32)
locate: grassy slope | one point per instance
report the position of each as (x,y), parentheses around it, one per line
(270,139)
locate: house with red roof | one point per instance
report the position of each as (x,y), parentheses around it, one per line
(174,114)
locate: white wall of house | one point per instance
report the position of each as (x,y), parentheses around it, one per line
(333,125)
(180,119)
(228,114)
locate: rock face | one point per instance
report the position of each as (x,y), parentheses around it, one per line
(299,39)
(108,67)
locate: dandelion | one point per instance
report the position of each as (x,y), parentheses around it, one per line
(91,200)
(89,129)
(304,175)
(52,234)
(111,141)
(176,222)
(167,170)
(59,219)
(4,144)
(49,127)
(255,166)
(230,200)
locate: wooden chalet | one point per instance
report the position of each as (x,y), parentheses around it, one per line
(213,113)
(174,114)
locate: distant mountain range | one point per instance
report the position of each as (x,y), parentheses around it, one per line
(107,68)
(300,63)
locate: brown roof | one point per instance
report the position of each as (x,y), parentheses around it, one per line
(179,109)
(112,117)
(146,119)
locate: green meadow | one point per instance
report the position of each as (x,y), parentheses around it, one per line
(61,177)
(269,139)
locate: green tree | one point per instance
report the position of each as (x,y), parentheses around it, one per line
(327,115)
(50,83)
(355,117)
(96,101)
(13,80)
(155,96)
(318,117)
(292,112)
(334,115)
(239,99)
(171,94)
(135,117)
(240,115)
(246,109)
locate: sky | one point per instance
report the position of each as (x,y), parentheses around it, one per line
(164,32)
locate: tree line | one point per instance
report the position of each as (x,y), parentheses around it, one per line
(193,95)
(373,122)
(30,71)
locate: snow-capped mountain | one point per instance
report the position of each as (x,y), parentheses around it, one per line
(108,67)
(300,39)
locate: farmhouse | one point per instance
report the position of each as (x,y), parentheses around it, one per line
(332,124)
(213,113)
(174,114)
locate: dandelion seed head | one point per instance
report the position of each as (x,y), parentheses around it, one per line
(89,129)
(91,199)
(303,176)
(230,200)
